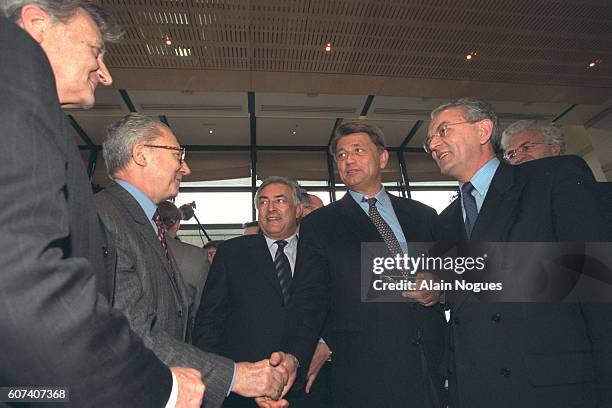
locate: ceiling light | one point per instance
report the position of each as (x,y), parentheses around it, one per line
(168,41)
(294,132)
(471,56)
(210,131)
(328,47)
(594,64)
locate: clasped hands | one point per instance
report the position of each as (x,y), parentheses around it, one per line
(267,380)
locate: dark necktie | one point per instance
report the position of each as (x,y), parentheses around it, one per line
(469,204)
(161,236)
(383,228)
(283,269)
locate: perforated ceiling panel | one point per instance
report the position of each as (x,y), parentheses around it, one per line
(514,41)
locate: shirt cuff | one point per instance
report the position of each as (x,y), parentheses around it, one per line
(232,383)
(174,393)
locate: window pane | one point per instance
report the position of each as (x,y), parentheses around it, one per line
(218,208)
(439,200)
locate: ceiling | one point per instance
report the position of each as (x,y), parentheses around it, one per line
(239,71)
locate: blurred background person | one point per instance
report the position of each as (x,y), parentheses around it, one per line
(211,250)
(528,140)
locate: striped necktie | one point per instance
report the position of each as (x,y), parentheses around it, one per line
(283,269)
(471,209)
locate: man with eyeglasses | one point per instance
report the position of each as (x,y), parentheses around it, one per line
(384,354)
(527,140)
(510,355)
(146,163)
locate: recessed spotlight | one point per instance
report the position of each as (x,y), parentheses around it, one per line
(168,41)
(210,131)
(593,64)
(471,56)
(294,132)
(328,47)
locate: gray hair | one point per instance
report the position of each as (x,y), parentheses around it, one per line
(123,135)
(62,10)
(295,188)
(552,135)
(348,128)
(473,111)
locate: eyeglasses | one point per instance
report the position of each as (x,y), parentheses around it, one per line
(524,148)
(180,150)
(442,132)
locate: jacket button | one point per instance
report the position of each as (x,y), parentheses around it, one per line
(180,314)
(496,318)
(105,251)
(505,372)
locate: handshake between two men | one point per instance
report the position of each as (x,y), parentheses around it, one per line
(267,381)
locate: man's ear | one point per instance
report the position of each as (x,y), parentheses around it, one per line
(299,211)
(486,131)
(384,159)
(34,21)
(139,155)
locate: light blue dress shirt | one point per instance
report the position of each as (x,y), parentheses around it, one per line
(481,181)
(385,208)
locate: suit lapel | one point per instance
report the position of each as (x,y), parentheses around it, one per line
(499,209)
(264,266)
(357,221)
(143,226)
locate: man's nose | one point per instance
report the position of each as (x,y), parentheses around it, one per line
(185,170)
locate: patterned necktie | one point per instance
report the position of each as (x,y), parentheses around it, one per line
(383,228)
(161,236)
(471,209)
(283,269)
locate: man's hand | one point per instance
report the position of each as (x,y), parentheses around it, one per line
(288,364)
(424,297)
(320,356)
(262,378)
(190,387)
(265,402)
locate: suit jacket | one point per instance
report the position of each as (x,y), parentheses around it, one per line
(379,349)
(242,314)
(153,297)
(532,354)
(193,266)
(57,326)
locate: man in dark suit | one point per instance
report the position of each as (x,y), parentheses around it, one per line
(243,307)
(520,354)
(58,328)
(384,354)
(147,164)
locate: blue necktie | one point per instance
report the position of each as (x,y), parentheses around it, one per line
(283,269)
(469,204)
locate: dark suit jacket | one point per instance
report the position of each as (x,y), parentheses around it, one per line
(56,329)
(378,348)
(533,355)
(242,315)
(154,302)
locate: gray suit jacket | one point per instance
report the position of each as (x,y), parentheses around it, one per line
(56,325)
(155,303)
(192,263)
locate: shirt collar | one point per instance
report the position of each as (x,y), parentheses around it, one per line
(290,240)
(145,202)
(481,180)
(382,197)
